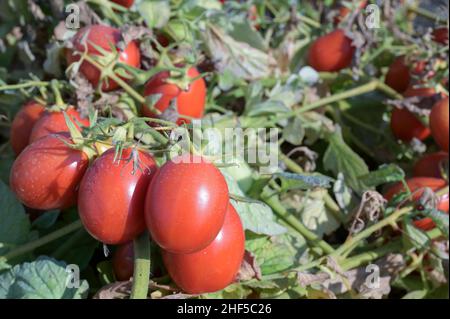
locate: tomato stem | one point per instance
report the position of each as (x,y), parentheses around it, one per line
(23,85)
(268,197)
(28,247)
(352,242)
(141,275)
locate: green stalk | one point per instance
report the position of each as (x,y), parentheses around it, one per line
(281,211)
(141,274)
(28,247)
(352,242)
(23,85)
(367,257)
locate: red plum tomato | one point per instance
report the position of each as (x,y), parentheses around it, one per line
(47,173)
(102,36)
(430,165)
(190,103)
(331,52)
(23,123)
(112,194)
(54,122)
(123,261)
(415,184)
(439,118)
(214,267)
(186,204)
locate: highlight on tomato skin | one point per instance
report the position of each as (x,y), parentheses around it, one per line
(416,186)
(214,267)
(331,52)
(112,193)
(47,173)
(123,261)
(23,124)
(195,211)
(439,123)
(102,36)
(431,165)
(190,103)
(55,122)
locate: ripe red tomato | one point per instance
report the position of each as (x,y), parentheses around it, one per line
(123,261)
(344,11)
(398,76)
(405,125)
(186,204)
(189,103)
(23,124)
(440,35)
(102,36)
(430,165)
(439,118)
(112,194)
(331,52)
(54,122)
(415,184)
(47,173)
(124,3)
(214,267)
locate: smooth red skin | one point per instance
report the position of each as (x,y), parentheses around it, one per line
(331,52)
(111,198)
(430,165)
(439,118)
(23,123)
(416,183)
(102,36)
(440,35)
(123,262)
(124,3)
(405,125)
(214,267)
(54,122)
(398,76)
(47,173)
(190,103)
(186,205)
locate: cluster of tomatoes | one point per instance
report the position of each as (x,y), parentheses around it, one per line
(184,204)
(334,51)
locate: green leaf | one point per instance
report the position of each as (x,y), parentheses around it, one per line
(275,254)
(441,220)
(417,294)
(243,32)
(156,13)
(415,236)
(384,174)
(14,223)
(241,59)
(45,278)
(339,157)
(294,132)
(257,217)
(305,181)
